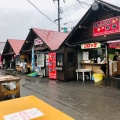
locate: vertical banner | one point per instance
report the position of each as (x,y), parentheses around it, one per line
(33,60)
(52,65)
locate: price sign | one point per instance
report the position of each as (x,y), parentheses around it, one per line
(90,45)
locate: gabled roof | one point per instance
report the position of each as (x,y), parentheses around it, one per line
(16,45)
(53,39)
(101,4)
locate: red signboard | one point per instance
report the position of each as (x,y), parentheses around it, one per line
(106,26)
(52,65)
(114,45)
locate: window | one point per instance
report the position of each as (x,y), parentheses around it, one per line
(17,60)
(40,60)
(94,53)
(59,59)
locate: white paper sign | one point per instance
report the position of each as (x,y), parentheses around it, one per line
(114,66)
(85,55)
(24,115)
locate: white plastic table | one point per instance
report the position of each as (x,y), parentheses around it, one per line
(83,73)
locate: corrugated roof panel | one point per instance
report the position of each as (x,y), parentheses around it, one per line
(53,39)
(16,45)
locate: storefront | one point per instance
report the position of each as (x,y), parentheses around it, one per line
(114,64)
(41,57)
(39,43)
(66,59)
(10,54)
(93,57)
(93,36)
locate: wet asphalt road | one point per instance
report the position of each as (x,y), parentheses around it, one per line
(80,100)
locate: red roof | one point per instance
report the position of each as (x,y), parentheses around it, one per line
(16,45)
(53,39)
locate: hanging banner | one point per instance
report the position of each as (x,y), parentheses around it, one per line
(114,45)
(90,45)
(52,65)
(33,60)
(107,26)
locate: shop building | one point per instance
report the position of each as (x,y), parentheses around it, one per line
(36,49)
(10,54)
(2,44)
(66,59)
(93,37)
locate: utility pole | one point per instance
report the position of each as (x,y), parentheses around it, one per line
(58,14)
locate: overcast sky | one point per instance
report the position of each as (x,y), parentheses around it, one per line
(18,16)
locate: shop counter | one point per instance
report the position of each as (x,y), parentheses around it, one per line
(95,67)
(30,107)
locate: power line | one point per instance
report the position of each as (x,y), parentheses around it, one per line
(71,7)
(41,12)
(58,14)
(83,3)
(68,16)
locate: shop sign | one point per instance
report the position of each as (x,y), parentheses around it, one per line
(38,41)
(52,65)
(91,45)
(114,45)
(106,26)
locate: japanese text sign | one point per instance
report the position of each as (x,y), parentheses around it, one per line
(114,45)
(106,26)
(90,45)
(52,65)
(38,41)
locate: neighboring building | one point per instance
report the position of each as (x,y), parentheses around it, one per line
(2,44)
(97,39)
(37,45)
(10,53)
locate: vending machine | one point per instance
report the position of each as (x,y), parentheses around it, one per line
(52,65)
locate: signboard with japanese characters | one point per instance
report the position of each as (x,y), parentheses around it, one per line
(107,26)
(52,65)
(114,45)
(38,41)
(90,45)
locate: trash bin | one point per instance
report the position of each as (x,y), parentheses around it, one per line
(98,77)
(28,69)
